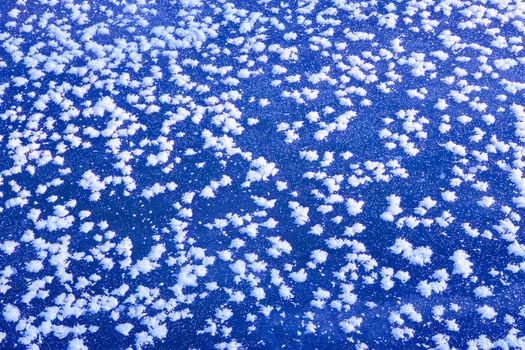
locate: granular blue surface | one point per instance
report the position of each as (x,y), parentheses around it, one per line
(262,175)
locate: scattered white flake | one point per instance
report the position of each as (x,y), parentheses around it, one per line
(417,256)
(11,313)
(487,312)
(462,266)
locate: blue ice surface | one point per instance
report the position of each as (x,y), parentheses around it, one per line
(146,221)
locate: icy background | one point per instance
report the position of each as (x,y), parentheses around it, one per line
(262,174)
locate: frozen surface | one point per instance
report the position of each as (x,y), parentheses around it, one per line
(262,174)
